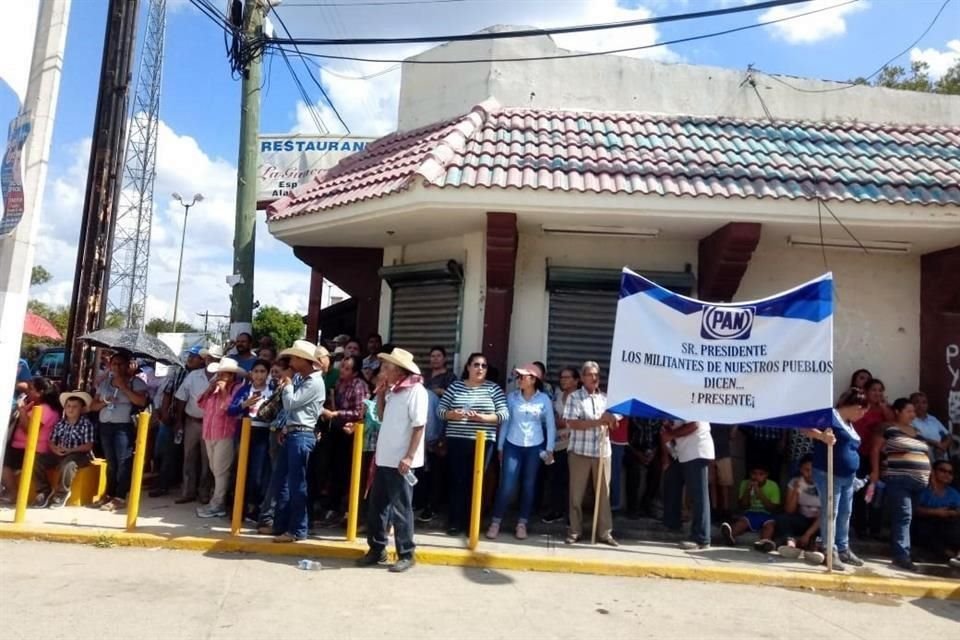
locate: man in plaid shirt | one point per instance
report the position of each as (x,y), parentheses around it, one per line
(585,414)
(71,444)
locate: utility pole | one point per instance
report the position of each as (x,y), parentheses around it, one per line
(88,303)
(206,319)
(17,248)
(241,299)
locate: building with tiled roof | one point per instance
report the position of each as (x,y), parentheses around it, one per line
(501,225)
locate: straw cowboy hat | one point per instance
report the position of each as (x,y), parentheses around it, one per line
(401,358)
(83,396)
(302,349)
(214,351)
(226,365)
(321,352)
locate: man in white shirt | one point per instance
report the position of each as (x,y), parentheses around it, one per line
(930,428)
(191,424)
(403,402)
(688,450)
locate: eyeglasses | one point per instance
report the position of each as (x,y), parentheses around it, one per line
(479,365)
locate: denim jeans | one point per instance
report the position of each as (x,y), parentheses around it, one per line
(259,469)
(460,453)
(842,508)
(165,457)
(390,502)
(616,473)
(901,492)
(268,505)
(693,474)
(519,470)
(291,510)
(116,438)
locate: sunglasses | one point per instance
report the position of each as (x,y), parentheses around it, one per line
(479,365)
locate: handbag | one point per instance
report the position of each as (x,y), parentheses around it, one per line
(268,410)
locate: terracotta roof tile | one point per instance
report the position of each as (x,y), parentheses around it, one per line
(627,153)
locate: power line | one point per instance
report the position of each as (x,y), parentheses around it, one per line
(850,85)
(568,56)
(308,102)
(386,3)
(528,33)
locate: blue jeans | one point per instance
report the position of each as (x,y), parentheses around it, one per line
(116,438)
(519,470)
(460,452)
(291,510)
(269,503)
(901,493)
(842,508)
(693,474)
(258,469)
(616,472)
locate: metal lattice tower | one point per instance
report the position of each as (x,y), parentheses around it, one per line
(131,236)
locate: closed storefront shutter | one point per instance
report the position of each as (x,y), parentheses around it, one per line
(423,315)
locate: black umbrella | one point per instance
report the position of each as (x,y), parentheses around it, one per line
(135,342)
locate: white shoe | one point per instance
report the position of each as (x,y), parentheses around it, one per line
(814,557)
(211,511)
(790,552)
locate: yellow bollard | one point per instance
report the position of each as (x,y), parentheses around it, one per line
(26,473)
(136,479)
(356,472)
(477,490)
(243,460)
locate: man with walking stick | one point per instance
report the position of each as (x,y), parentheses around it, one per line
(585,414)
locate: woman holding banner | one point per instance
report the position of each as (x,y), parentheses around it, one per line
(846,460)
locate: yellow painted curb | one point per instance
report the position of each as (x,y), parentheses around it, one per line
(912,588)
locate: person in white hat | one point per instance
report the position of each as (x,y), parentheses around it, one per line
(403,402)
(303,401)
(219,428)
(189,418)
(71,446)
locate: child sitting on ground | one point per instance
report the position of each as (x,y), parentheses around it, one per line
(759,498)
(796,528)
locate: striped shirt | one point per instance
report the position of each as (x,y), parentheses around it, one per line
(906,455)
(484,398)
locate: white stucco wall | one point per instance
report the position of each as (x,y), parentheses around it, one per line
(430,93)
(877,312)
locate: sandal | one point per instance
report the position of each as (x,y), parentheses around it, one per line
(571,538)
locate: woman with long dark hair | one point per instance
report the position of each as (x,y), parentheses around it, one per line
(469,405)
(867,518)
(860,378)
(521,443)
(40,393)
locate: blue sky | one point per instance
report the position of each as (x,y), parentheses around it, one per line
(199,105)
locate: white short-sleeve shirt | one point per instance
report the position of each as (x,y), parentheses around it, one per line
(190,389)
(402,411)
(696,446)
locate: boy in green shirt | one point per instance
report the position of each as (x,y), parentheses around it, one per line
(759,498)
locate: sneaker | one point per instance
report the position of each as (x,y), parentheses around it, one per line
(954,562)
(426,515)
(40,501)
(764,546)
(211,511)
(906,564)
(813,557)
(849,557)
(791,552)
(521,532)
(401,565)
(493,530)
(371,558)
(59,500)
(837,562)
(689,545)
(551,518)
(727,532)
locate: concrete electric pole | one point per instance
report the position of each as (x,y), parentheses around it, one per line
(241,301)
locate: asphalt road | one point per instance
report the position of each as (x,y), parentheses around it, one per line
(69,591)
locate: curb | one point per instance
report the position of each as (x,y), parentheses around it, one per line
(939,589)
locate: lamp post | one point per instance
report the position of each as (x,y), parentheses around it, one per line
(183,238)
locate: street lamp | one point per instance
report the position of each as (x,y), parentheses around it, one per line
(183,238)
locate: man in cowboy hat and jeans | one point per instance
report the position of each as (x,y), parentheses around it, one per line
(403,402)
(302,400)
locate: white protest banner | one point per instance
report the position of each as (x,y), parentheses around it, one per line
(764,362)
(288,161)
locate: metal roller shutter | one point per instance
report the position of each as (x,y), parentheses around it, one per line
(424,314)
(580,328)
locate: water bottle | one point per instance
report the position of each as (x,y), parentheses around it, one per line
(546,457)
(178,437)
(410,477)
(309,565)
(868,496)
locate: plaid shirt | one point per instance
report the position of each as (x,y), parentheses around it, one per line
(349,396)
(581,405)
(71,436)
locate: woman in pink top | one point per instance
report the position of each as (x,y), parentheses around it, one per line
(219,427)
(44,394)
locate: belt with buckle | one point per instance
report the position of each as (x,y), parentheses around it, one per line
(297,428)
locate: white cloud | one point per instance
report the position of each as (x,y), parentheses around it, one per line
(812,28)
(939,61)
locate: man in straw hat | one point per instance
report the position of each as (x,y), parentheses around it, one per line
(71,444)
(303,401)
(403,402)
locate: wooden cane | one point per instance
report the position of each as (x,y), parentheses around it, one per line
(599,483)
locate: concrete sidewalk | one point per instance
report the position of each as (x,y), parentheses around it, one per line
(163,524)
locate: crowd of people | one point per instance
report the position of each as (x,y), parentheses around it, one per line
(552,450)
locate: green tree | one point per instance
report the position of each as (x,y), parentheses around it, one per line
(115,320)
(162,325)
(917,78)
(282,326)
(39,275)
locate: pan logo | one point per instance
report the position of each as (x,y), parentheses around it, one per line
(727,323)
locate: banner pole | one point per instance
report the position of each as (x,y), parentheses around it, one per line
(831,519)
(601,468)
